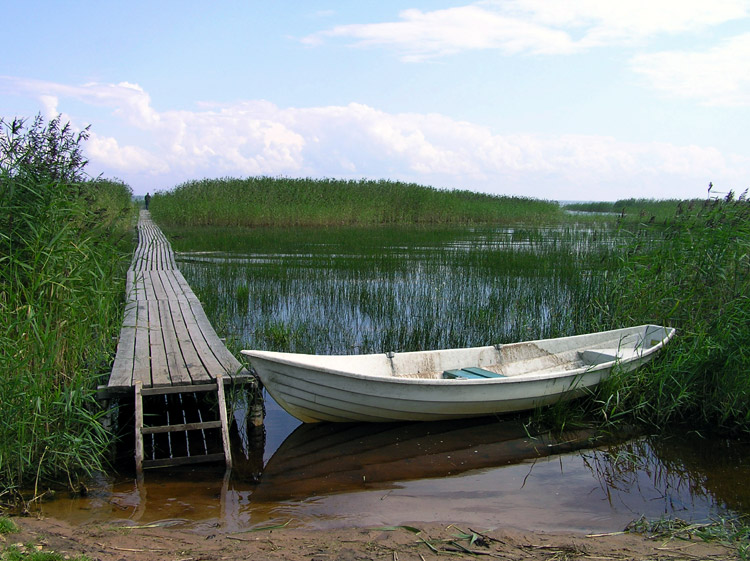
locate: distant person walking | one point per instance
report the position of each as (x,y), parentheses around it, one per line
(147,199)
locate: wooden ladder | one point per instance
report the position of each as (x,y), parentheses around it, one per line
(141,430)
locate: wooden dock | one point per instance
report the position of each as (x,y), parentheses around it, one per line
(167,346)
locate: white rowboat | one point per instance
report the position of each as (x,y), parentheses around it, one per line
(451,383)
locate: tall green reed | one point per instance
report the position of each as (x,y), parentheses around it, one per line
(693,275)
(264,201)
(371,290)
(62,258)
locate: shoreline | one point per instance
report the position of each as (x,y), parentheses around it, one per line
(150,542)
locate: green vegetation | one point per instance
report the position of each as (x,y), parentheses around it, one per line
(359,290)
(264,201)
(7,526)
(62,243)
(694,274)
(732,532)
(372,289)
(638,210)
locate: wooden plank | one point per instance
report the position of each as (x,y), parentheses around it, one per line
(168,390)
(182,427)
(156,284)
(122,369)
(138,427)
(178,371)
(206,355)
(148,291)
(224,423)
(228,361)
(185,460)
(129,285)
(142,360)
(159,369)
(165,278)
(186,290)
(193,363)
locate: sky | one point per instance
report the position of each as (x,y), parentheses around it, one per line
(551,99)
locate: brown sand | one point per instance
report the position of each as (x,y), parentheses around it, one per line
(108,542)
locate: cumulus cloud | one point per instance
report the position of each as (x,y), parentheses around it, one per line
(533,26)
(356,141)
(718,76)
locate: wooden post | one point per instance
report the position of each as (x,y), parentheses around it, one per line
(138,428)
(224,422)
(257,410)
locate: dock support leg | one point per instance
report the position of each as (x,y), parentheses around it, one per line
(224,422)
(138,428)
(257,410)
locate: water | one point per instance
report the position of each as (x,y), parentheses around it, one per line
(486,473)
(331,291)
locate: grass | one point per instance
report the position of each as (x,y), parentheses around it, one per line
(264,201)
(373,290)
(732,532)
(638,210)
(7,526)
(695,275)
(63,244)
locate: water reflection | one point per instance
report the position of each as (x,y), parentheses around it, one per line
(331,458)
(487,472)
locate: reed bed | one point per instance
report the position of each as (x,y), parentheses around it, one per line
(63,243)
(638,210)
(355,290)
(696,277)
(359,291)
(263,201)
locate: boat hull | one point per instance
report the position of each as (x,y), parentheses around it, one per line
(368,389)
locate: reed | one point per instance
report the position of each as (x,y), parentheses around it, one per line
(694,275)
(372,290)
(63,243)
(638,210)
(264,201)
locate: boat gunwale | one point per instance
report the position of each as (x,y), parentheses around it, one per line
(287,359)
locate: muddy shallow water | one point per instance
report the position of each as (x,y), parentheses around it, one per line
(487,472)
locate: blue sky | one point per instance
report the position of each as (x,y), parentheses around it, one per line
(574,100)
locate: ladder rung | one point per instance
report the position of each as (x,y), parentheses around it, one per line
(165,390)
(183,460)
(182,427)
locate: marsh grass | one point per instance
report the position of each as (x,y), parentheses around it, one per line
(62,244)
(264,201)
(696,277)
(371,290)
(638,210)
(407,287)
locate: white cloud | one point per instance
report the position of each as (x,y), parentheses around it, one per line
(718,76)
(355,141)
(605,22)
(534,26)
(421,35)
(107,152)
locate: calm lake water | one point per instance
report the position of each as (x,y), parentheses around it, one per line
(487,473)
(342,291)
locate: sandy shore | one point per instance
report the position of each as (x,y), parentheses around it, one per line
(108,542)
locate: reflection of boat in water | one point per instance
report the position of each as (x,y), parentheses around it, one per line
(328,458)
(451,383)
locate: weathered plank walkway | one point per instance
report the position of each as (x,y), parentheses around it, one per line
(166,338)
(167,347)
